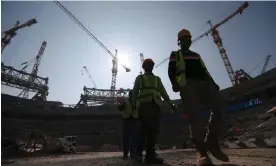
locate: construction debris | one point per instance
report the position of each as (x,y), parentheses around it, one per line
(28,142)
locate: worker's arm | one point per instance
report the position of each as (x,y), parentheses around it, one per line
(163,91)
(209,75)
(172,67)
(135,91)
(172,71)
(165,95)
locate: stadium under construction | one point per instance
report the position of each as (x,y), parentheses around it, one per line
(97,107)
(52,118)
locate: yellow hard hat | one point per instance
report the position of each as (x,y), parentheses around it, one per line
(184,33)
(147,61)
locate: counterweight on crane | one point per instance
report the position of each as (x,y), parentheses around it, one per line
(114,57)
(25,92)
(218,41)
(6,36)
(90,77)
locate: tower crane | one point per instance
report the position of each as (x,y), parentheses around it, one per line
(141,62)
(266,63)
(218,41)
(25,92)
(6,36)
(89,75)
(114,57)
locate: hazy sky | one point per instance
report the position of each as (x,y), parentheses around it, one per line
(133,27)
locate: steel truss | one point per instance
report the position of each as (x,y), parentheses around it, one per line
(19,79)
(99,96)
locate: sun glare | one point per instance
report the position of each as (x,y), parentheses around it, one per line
(123,60)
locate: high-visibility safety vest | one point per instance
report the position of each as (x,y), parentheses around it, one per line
(181,67)
(127,110)
(149,89)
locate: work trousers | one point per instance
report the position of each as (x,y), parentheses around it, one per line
(195,94)
(130,132)
(149,115)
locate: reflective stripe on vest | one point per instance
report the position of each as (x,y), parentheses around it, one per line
(181,66)
(149,88)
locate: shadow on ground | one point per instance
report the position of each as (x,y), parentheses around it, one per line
(227,165)
(5,161)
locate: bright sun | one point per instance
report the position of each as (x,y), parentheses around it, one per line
(123,60)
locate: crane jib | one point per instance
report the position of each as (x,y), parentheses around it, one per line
(87,31)
(238,11)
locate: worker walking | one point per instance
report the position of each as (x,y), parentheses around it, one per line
(189,76)
(147,92)
(130,126)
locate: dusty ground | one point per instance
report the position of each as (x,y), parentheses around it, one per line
(256,157)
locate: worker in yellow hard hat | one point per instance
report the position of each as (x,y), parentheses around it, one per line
(147,92)
(129,127)
(189,76)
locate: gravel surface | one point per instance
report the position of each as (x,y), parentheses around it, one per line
(241,157)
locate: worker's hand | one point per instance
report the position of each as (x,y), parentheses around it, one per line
(217,87)
(121,107)
(175,88)
(173,108)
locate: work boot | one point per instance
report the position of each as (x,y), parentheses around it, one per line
(214,148)
(125,157)
(132,156)
(202,156)
(212,141)
(138,157)
(156,155)
(204,161)
(154,160)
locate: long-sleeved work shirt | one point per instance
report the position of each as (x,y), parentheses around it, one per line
(136,89)
(194,68)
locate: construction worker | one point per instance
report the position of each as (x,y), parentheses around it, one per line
(130,126)
(147,92)
(189,76)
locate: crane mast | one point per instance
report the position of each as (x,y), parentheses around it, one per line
(114,72)
(223,54)
(6,36)
(25,92)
